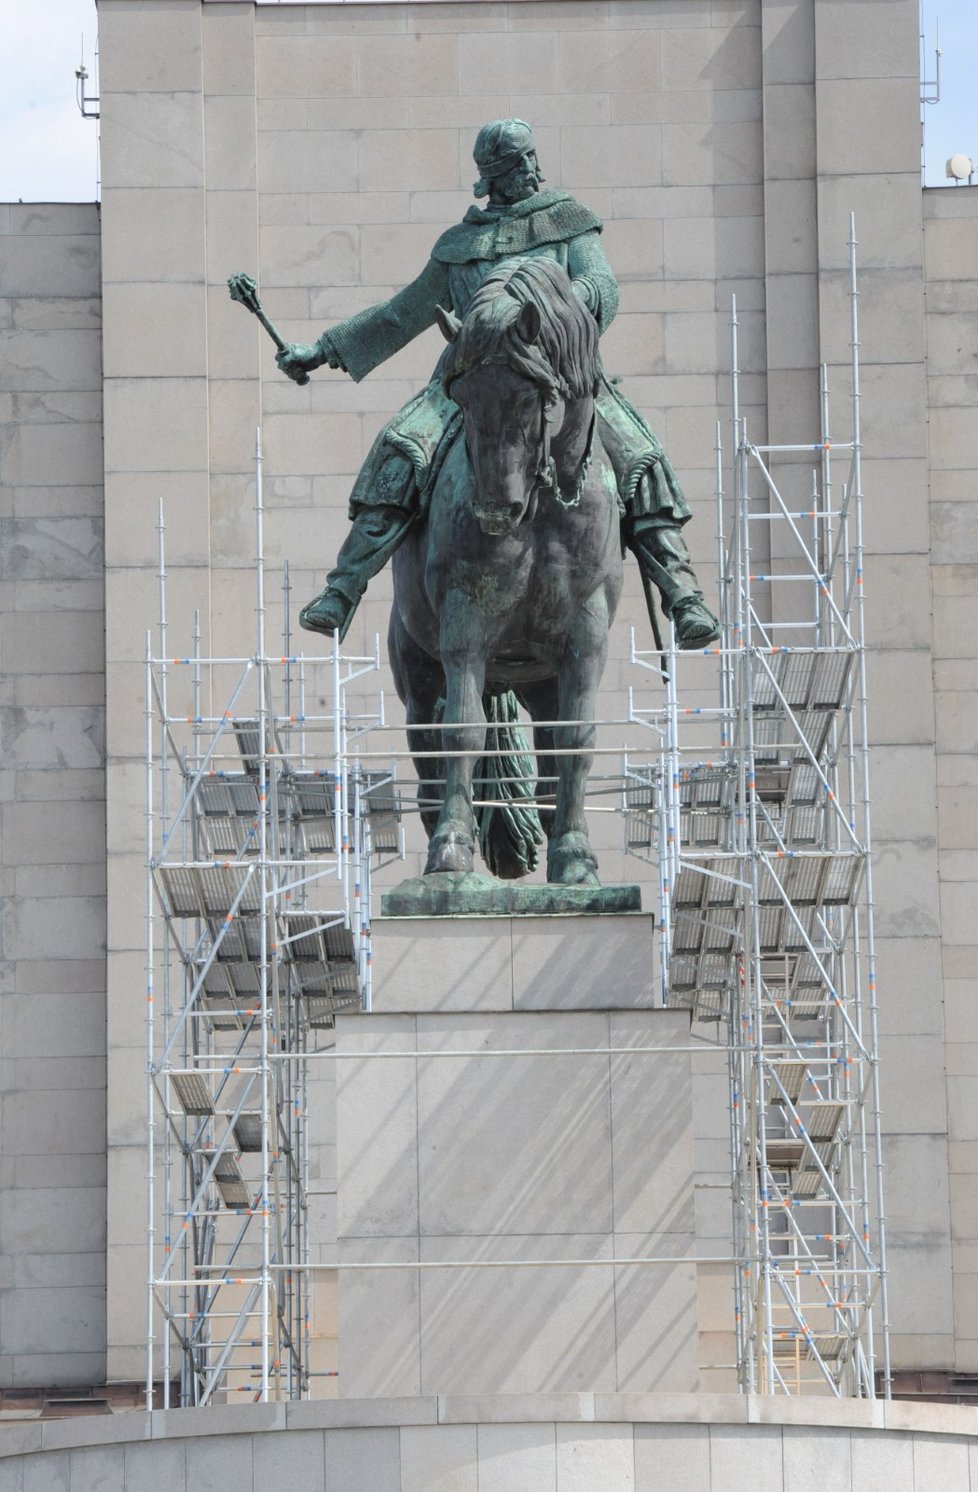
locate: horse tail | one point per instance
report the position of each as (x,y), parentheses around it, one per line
(509,826)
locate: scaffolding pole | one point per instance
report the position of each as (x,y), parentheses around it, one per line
(256,937)
(767,922)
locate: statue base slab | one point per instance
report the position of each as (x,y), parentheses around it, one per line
(514,1153)
(515,1201)
(425,964)
(454,894)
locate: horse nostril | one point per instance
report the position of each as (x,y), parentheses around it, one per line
(515,511)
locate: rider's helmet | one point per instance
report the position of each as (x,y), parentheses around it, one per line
(499,146)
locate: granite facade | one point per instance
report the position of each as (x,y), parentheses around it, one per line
(52,800)
(323,148)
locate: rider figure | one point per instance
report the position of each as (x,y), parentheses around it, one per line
(519,220)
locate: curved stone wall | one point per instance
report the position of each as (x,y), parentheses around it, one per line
(535,1443)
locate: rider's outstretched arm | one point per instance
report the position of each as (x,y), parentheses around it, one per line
(370,337)
(360,343)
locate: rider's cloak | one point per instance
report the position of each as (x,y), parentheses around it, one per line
(549,223)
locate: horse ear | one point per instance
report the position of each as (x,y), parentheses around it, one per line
(448,323)
(528,322)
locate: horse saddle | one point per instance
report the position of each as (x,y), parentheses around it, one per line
(426,428)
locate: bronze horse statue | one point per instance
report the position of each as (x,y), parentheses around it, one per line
(510,585)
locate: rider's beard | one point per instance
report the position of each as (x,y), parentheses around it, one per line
(520,183)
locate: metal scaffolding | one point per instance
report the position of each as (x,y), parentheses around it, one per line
(257,916)
(766,903)
(262,825)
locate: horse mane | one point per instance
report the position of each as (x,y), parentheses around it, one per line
(563,360)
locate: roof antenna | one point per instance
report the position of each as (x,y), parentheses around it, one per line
(960,168)
(930,88)
(83,99)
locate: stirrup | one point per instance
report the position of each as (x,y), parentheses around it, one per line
(695,624)
(328,612)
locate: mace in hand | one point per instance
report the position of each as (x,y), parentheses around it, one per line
(244,289)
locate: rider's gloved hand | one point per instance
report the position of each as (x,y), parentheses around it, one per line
(587,291)
(299,358)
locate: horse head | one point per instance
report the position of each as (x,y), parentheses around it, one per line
(525,352)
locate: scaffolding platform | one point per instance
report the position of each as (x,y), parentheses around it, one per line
(262,832)
(766,908)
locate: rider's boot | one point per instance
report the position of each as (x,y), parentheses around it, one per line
(664,560)
(373,538)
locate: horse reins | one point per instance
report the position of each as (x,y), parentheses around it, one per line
(546,473)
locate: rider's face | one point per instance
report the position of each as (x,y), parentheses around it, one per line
(519,183)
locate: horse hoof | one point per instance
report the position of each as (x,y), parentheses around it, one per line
(572,862)
(450,852)
(574,872)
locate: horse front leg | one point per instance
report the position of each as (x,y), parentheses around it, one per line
(570,859)
(420,685)
(452,846)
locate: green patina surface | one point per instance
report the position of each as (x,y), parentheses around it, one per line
(542,250)
(470,895)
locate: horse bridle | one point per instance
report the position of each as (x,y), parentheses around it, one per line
(546,472)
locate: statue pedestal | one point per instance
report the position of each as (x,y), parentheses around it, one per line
(470,895)
(513,1103)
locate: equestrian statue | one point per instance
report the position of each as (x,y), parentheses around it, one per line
(506,492)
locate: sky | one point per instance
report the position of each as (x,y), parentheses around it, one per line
(48,153)
(951,126)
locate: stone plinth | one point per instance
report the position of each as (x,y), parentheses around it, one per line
(526,1148)
(513,963)
(454,894)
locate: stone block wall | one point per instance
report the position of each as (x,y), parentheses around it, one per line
(324,148)
(951,264)
(724,142)
(52,800)
(570,1150)
(866,155)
